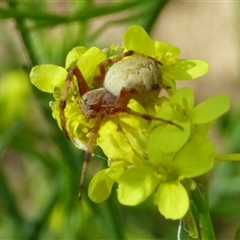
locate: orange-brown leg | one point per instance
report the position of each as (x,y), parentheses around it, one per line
(90,145)
(124,97)
(102,66)
(82,88)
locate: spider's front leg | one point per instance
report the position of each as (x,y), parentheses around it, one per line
(100,116)
(82,89)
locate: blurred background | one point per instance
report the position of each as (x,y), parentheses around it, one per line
(39,168)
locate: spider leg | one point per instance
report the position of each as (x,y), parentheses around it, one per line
(90,145)
(126,92)
(123,99)
(102,66)
(82,84)
(82,88)
(63,100)
(150,118)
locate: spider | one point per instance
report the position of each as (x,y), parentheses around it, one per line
(125,79)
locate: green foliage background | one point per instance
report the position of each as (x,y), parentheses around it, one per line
(39,171)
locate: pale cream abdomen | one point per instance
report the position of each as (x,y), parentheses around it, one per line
(138,73)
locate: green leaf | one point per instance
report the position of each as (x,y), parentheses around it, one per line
(136,184)
(115,146)
(185,98)
(116,169)
(134,126)
(165,53)
(89,61)
(172,200)
(171,85)
(135,38)
(47,77)
(203,129)
(74,55)
(237,233)
(195,158)
(167,139)
(228,157)
(100,187)
(211,109)
(186,69)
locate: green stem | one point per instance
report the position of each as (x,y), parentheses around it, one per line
(155,11)
(8,200)
(82,14)
(23,29)
(108,211)
(205,223)
(191,226)
(237,234)
(110,218)
(38,224)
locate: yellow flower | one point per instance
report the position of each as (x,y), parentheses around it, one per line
(135,38)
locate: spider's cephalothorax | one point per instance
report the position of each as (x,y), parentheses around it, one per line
(96,100)
(127,78)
